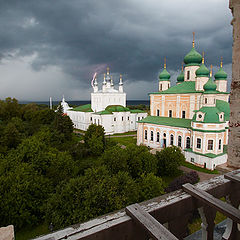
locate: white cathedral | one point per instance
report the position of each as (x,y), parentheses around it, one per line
(107,108)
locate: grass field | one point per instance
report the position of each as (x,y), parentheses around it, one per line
(125,140)
(189,165)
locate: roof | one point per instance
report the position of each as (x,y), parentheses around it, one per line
(223,106)
(83,108)
(184,87)
(193,58)
(211,115)
(104,112)
(174,122)
(117,108)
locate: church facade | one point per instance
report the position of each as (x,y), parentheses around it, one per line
(107,108)
(193,114)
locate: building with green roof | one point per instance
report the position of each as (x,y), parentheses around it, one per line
(192,115)
(107,108)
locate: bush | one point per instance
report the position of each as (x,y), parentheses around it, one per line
(191,177)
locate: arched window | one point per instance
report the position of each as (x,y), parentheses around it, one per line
(158,137)
(151,135)
(183,114)
(145,134)
(171,139)
(179,141)
(160,87)
(205,100)
(188,75)
(170,113)
(188,144)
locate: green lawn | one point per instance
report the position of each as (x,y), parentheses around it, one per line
(126,133)
(124,140)
(189,165)
(32,232)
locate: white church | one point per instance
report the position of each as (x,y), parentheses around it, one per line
(107,108)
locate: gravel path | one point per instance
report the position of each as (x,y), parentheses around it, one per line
(203,176)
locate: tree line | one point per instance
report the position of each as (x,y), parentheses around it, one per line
(47,174)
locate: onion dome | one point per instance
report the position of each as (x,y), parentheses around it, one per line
(164,75)
(193,58)
(203,71)
(180,77)
(220,75)
(210,86)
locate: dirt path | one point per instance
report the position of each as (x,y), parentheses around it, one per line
(203,176)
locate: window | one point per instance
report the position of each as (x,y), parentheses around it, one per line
(192,160)
(160,87)
(199,143)
(128,118)
(145,134)
(114,119)
(183,114)
(219,144)
(179,141)
(188,75)
(122,118)
(170,113)
(138,118)
(200,116)
(91,119)
(158,137)
(151,135)
(158,112)
(168,85)
(188,142)
(164,135)
(205,100)
(210,144)
(171,139)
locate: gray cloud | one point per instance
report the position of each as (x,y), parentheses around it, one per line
(130,36)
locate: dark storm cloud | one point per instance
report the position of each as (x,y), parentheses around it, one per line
(130,36)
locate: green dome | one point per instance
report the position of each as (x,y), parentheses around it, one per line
(180,77)
(220,75)
(210,85)
(116,108)
(211,115)
(193,58)
(202,71)
(164,75)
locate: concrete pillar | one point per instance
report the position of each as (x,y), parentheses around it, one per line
(234,124)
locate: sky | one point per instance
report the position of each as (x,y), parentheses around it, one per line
(53,47)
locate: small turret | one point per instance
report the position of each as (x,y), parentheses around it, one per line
(95,84)
(221,78)
(180,77)
(120,84)
(164,78)
(112,84)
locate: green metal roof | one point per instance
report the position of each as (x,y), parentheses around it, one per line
(104,112)
(184,87)
(193,58)
(83,108)
(167,121)
(203,71)
(164,75)
(211,115)
(220,75)
(210,86)
(224,107)
(117,108)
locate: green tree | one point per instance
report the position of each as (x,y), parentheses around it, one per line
(94,139)
(169,160)
(150,186)
(115,159)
